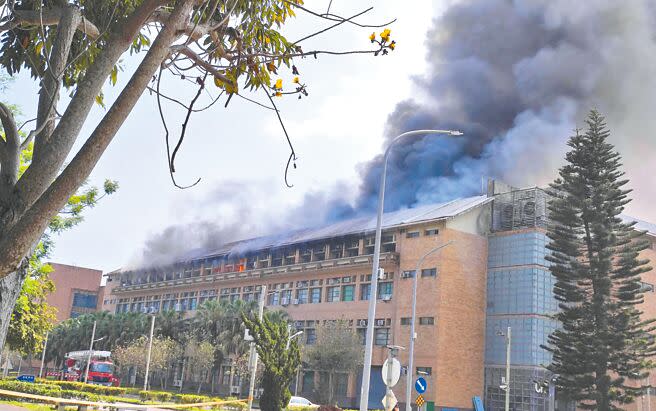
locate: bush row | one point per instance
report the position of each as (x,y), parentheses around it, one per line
(92,388)
(49,390)
(165,396)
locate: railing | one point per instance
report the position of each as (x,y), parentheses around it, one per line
(263,272)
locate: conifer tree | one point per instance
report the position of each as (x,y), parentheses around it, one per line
(603,344)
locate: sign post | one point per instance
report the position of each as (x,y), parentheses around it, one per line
(391,372)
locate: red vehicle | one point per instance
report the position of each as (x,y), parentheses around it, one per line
(101,367)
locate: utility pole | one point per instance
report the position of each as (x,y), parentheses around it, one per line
(253,356)
(43,355)
(150,347)
(93,336)
(508,341)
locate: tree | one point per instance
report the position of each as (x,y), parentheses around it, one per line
(79,46)
(133,355)
(200,356)
(603,342)
(280,361)
(337,350)
(32,317)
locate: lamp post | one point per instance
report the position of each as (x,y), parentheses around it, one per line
(150,347)
(508,338)
(93,340)
(366,368)
(43,355)
(253,355)
(411,353)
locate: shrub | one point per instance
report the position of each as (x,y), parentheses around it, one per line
(92,388)
(191,399)
(161,396)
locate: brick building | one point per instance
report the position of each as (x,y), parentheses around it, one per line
(77,290)
(493,275)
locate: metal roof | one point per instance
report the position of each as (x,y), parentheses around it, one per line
(641,225)
(366,224)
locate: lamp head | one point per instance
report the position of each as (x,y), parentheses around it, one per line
(455,133)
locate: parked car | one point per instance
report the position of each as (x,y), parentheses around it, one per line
(300,402)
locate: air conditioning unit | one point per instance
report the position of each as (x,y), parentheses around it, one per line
(406,274)
(362,323)
(295,301)
(387,297)
(380,323)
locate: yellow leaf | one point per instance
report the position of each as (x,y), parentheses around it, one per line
(37,47)
(218,82)
(278,85)
(295,80)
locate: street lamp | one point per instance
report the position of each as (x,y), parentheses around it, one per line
(506,386)
(291,337)
(253,353)
(411,353)
(93,340)
(150,345)
(366,368)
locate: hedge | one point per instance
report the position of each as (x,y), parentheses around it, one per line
(161,396)
(92,388)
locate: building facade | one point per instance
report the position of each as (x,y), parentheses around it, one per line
(77,290)
(492,275)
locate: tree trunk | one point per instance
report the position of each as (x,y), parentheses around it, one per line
(330,388)
(10,287)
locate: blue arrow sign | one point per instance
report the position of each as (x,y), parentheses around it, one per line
(25,378)
(420,385)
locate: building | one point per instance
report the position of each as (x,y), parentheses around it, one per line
(491,276)
(77,290)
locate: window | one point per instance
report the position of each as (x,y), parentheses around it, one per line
(348,293)
(362,335)
(286,297)
(431,231)
(274,298)
(310,336)
(302,295)
(426,320)
(408,274)
(308,382)
(412,234)
(381,336)
(315,294)
(332,294)
(365,291)
(341,384)
(429,272)
(424,370)
(384,290)
(406,320)
(192,303)
(84,300)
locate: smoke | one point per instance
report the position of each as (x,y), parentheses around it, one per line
(517,77)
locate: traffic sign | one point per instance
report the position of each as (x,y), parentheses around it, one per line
(420,385)
(420,400)
(25,378)
(389,401)
(395,373)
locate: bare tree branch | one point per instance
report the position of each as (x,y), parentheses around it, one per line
(25,18)
(70,17)
(334,17)
(198,61)
(9,152)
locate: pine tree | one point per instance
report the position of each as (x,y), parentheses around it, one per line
(603,343)
(280,357)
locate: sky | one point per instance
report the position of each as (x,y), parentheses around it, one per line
(516,77)
(240,152)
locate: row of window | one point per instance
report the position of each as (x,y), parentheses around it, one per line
(416,234)
(426,272)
